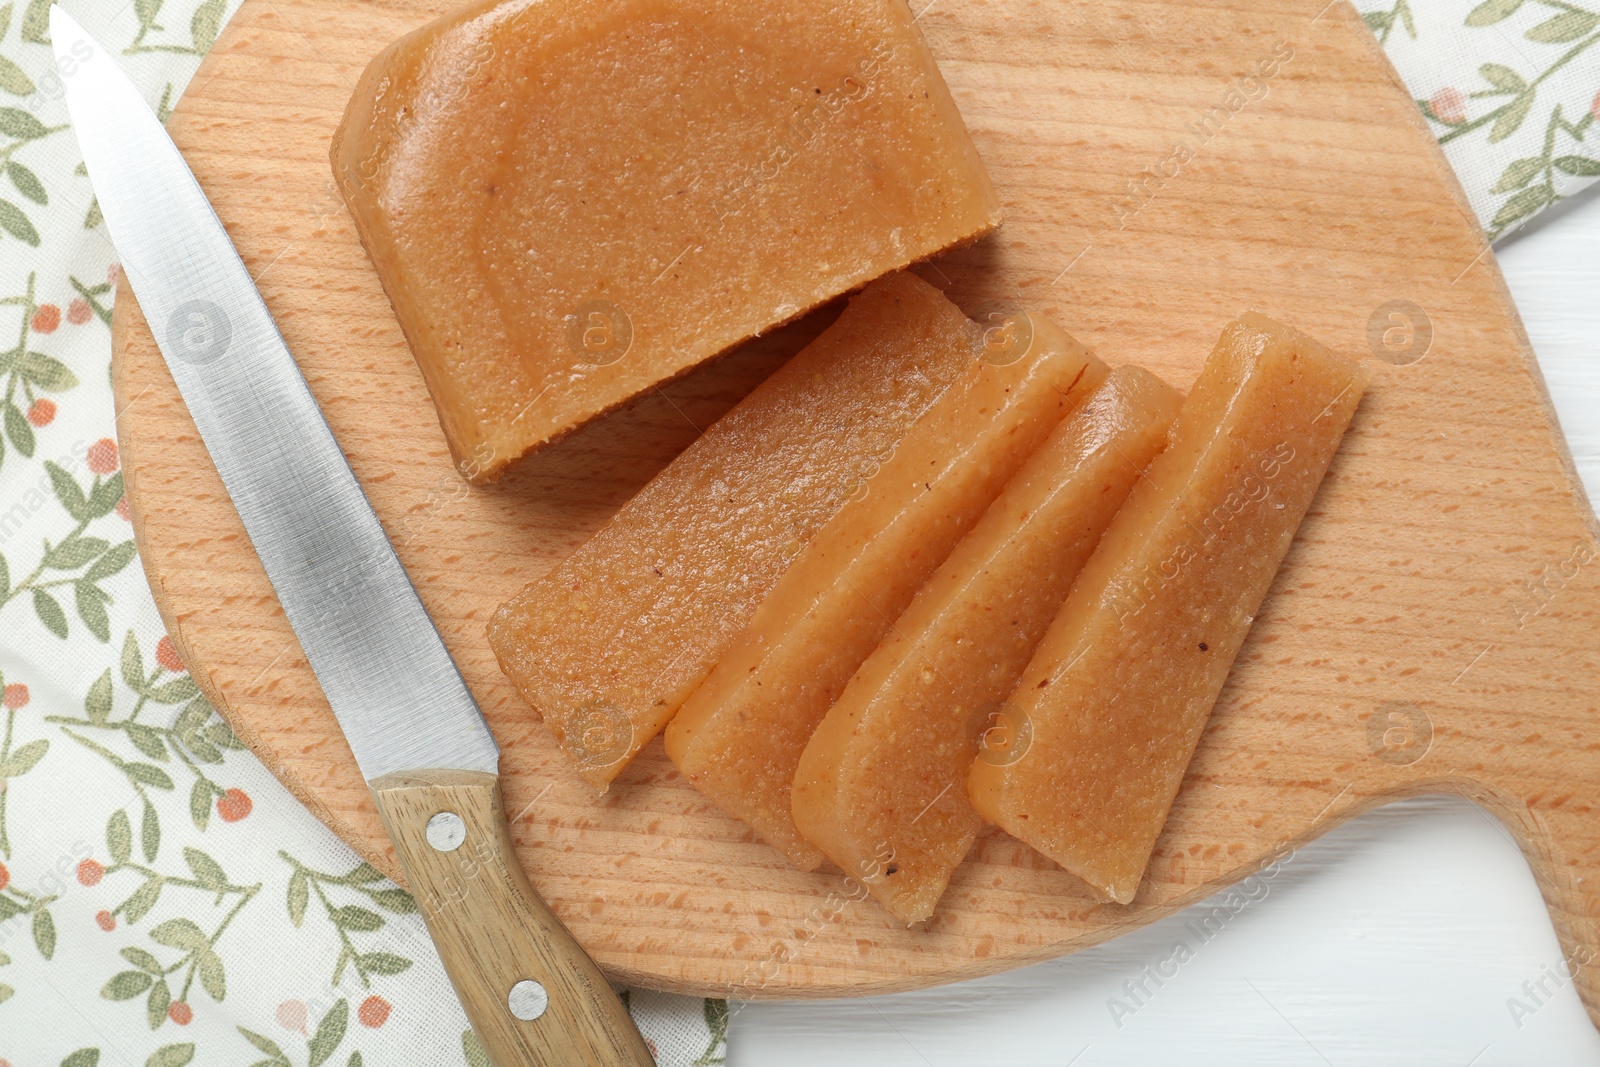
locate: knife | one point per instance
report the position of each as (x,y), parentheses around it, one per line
(530,991)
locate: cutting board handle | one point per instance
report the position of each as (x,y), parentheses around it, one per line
(531,992)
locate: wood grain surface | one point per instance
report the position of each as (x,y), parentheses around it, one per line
(1433,628)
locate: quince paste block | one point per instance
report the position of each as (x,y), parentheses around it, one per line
(569,201)
(739,737)
(609,643)
(1113,703)
(885,773)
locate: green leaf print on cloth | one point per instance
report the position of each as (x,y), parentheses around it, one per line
(1511,88)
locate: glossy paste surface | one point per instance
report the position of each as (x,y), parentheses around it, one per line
(569,201)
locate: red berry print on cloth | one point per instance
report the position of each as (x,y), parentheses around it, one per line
(103,457)
(42,412)
(46,319)
(78,312)
(167,655)
(374,1012)
(1449,105)
(292,1015)
(234,805)
(90,872)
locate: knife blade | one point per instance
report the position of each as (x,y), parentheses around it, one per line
(417,734)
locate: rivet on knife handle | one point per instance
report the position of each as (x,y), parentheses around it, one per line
(532,994)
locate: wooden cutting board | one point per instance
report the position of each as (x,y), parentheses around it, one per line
(1433,629)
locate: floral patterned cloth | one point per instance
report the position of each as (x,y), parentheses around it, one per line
(1511,87)
(162,899)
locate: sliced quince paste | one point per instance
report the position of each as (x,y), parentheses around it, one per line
(608,644)
(881,787)
(739,736)
(569,201)
(1112,705)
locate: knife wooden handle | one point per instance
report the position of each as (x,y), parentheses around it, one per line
(493,932)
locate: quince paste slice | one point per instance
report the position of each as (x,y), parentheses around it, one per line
(881,788)
(1111,708)
(739,737)
(609,643)
(570,201)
